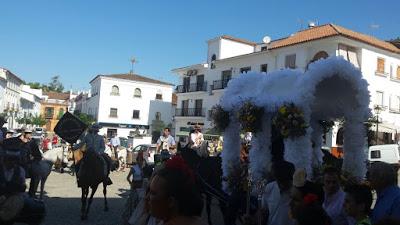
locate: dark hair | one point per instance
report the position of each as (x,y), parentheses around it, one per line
(180,186)
(283,170)
(332,171)
(312,188)
(313,214)
(167,128)
(361,195)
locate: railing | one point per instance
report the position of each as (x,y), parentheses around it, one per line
(200,112)
(220,84)
(192,87)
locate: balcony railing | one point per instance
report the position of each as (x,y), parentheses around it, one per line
(197,112)
(220,84)
(192,87)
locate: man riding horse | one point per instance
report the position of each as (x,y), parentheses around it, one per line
(94,144)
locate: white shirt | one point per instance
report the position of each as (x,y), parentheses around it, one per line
(197,139)
(166,142)
(333,205)
(115,141)
(277,203)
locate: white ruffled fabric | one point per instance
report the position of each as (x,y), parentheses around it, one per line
(231,154)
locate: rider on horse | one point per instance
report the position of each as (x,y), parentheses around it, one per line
(94,144)
(166,143)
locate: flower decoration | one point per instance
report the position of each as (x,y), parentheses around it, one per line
(178,163)
(249,116)
(310,199)
(238,178)
(290,120)
(326,125)
(220,118)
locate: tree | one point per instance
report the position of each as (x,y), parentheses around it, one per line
(55,85)
(38,120)
(87,119)
(35,85)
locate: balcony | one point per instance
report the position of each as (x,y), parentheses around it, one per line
(220,84)
(194,112)
(192,87)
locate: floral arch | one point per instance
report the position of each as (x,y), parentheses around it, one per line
(330,89)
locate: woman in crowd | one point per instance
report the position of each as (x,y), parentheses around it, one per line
(174,197)
(306,202)
(135,176)
(357,203)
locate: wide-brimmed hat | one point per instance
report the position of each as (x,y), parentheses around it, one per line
(95,126)
(26,130)
(10,131)
(2,120)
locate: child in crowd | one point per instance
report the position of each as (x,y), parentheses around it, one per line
(357,203)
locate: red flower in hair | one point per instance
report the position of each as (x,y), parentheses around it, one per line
(178,163)
(310,199)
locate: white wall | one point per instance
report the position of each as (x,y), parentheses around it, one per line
(231,48)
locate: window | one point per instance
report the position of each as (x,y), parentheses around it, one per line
(115,90)
(158,116)
(394,104)
(264,68)
(60,113)
(136,114)
(398,73)
(213,58)
(349,53)
(376,154)
(114,112)
(380,67)
(290,61)
(49,112)
(159,96)
(245,69)
(379,98)
(138,93)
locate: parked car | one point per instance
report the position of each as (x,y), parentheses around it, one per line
(148,153)
(385,153)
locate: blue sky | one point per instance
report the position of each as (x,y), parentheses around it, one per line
(79,39)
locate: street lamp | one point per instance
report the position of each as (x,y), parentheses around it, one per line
(377,109)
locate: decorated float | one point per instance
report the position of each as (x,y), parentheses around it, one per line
(299,106)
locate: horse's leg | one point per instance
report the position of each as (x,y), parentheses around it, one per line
(85,192)
(105,197)
(94,189)
(42,183)
(208,207)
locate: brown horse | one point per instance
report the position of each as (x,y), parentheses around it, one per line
(91,174)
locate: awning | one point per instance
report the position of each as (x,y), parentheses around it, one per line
(182,134)
(386,128)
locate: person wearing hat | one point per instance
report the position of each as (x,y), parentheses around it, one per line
(95,143)
(3,130)
(10,134)
(12,186)
(197,137)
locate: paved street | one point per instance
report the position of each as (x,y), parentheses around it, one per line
(63,201)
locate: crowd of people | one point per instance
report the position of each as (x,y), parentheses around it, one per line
(17,154)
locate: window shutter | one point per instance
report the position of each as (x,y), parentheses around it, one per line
(398,72)
(381,65)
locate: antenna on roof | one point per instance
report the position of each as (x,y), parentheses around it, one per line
(133,61)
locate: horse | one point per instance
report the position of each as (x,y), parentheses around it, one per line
(121,156)
(91,174)
(40,170)
(209,174)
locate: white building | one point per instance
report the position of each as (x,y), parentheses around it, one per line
(30,101)
(202,85)
(128,103)
(11,97)
(3,84)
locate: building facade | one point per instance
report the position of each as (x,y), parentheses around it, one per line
(53,107)
(30,102)
(11,97)
(202,85)
(128,104)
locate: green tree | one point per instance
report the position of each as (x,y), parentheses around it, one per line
(87,119)
(35,85)
(55,85)
(38,120)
